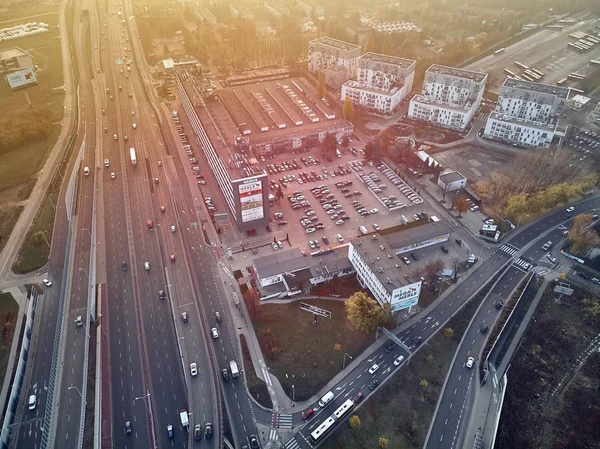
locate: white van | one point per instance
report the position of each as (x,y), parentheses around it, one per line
(32,402)
(363,230)
(329,396)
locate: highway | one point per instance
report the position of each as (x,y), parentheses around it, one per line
(449,427)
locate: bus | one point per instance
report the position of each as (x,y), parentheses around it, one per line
(578,91)
(539,72)
(521,66)
(561,82)
(500,50)
(576,76)
(531,74)
(595,62)
(527,77)
(344,409)
(509,73)
(322,430)
(558,27)
(593,39)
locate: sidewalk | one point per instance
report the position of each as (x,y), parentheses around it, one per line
(487,406)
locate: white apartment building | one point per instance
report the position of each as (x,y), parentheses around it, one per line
(382,82)
(326,53)
(379,270)
(449,98)
(526,114)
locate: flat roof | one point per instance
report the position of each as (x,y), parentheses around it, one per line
(330,262)
(549,125)
(356,85)
(424,100)
(276,5)
(376,57)
(460,73)
(280,262)
(381,260)
(340,45)
(451,177)
(12,53)
(559,91)
(416,234)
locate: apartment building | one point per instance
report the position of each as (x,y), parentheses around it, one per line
(449,97)
(526,114)
(311,9)
(276,9)
(326,54)
(382,82)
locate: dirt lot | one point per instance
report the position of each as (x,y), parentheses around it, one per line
(558,337)
(310,355)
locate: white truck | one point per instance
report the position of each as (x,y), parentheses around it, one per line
(185,421)
(233,367)
(132,154)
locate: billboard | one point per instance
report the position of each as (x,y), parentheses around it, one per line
(406,296)
(251,200)
(21,78)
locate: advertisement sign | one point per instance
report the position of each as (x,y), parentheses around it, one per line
(251,200)
(21,78)
(407,296)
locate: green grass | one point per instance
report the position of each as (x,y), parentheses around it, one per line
(402,408)
(8,319)
(19,165)
(8,217)
(256,386)
(310,355)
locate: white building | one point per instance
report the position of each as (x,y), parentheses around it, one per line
(312,9)
(451,181)
(327,53)
(276,9)
(449,98)
(14,59)
(382,82)
(526,113)
(379,270)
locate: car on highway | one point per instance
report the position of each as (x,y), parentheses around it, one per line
(134,126)
(124,266)
(570,209)
(225,374)
(399,360)
(115,137)
(46,282)
(359,397)
(444,249)
(390,347)
(470,362)
(184,317)
(32,402)
(173,228)
(215,332)
(218,317)
(113,175)
(583,275)
(172,257)
(127,427)
(484,328)
(373,384)
(307,413)
(417,340)
(373,368)
(253,442)
(170,431)
(106,163)
(193,369)
(551,258)
(197,432)
(146,266)
(498,305)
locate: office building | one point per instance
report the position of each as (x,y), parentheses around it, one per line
(526,114)
(382,82)
(14,59)
(449,98)
(327,54)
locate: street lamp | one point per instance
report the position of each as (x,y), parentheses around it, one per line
(72,387)
(521,217)
(346,354)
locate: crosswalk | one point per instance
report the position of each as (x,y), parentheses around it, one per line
(281,421)
(522,265)
(291,444)
(509,249)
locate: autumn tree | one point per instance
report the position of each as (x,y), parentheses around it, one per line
(279,193)
(582,235)
(354,422)
(348,109)
(383,443)
(364,312)
(461,205)
(448,333)
(329,143)
(321,87)
(432,269)
(370,151)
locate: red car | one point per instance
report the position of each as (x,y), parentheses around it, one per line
(172,257)
(307,413)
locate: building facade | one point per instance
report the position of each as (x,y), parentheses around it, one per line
(449,98)
(451,181)
(325,53)
(382,82)
(526,114)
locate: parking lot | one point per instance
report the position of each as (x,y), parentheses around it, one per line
(583,140)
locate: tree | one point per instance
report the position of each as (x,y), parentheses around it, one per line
(354,422)
(432,269)
(279,193)
(448,333)
(348,109)
(321,87)
(582,236)
(369,151)
(364,313)
(329,143)
(461,205)
(383,443)
(345,141)
(424,384)
(429,359)
(591,307)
